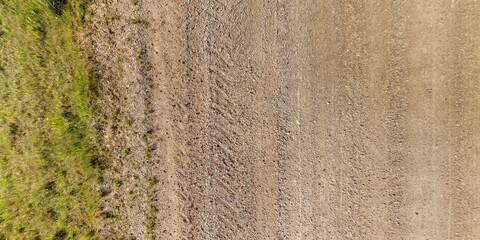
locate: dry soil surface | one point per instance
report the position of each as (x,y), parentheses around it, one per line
(299,119)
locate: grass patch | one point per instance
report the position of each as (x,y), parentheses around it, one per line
(48,158)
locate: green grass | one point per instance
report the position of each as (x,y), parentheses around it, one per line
(48,159)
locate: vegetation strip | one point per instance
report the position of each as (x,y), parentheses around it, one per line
(48,155)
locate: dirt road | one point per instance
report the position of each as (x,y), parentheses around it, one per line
(294,119)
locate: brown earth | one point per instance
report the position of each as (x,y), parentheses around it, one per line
(281,119)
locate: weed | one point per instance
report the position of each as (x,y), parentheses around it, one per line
(141,53)
(129,122)
(118,184)
(153,181)
(138,21)
(107,215)
(105,192)
(149,151)
(148,133)
(126,152)
(150,225)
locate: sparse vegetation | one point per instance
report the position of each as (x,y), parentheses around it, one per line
(48,158)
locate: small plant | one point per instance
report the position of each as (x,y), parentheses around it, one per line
(129,122)
(105,192)
(147,133)
(107,215)
(153,181)
(149,151)
(126,152)
(118,184)
(141,53)
(150,223)
(138,21)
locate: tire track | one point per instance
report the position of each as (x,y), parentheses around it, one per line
(398,165)
(224,197)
